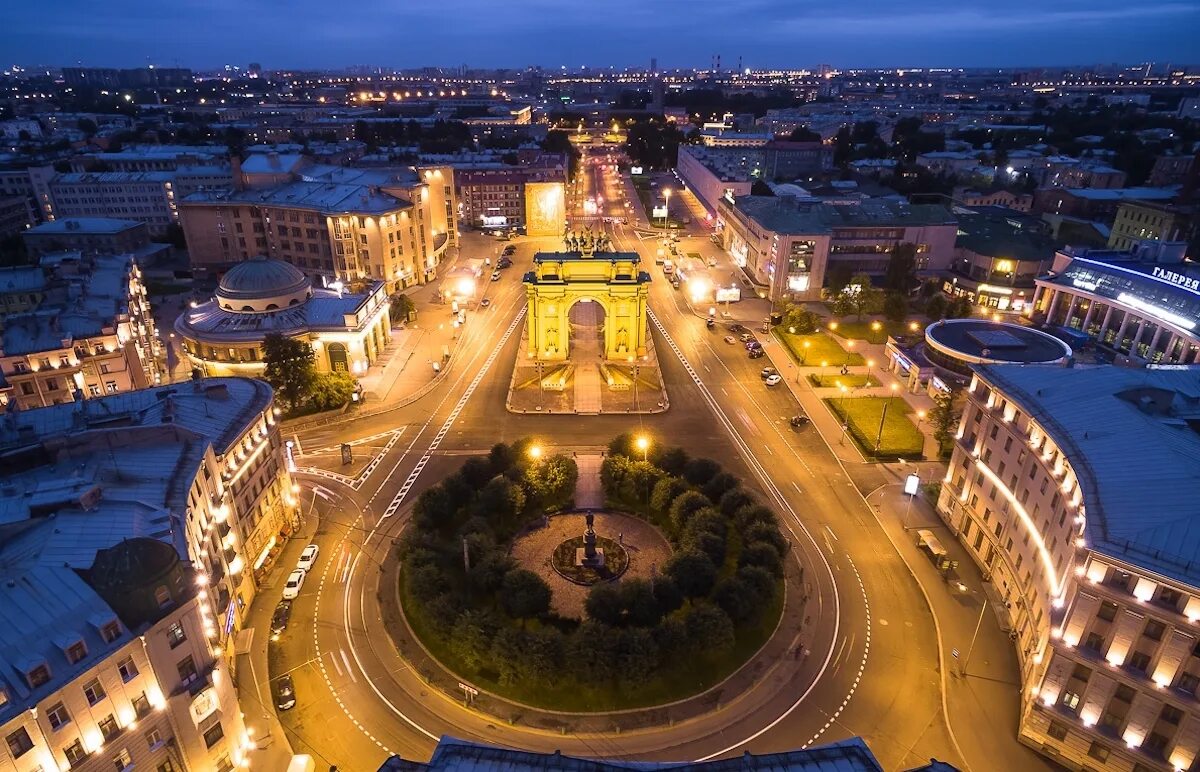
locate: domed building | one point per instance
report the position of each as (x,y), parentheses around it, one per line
(255,298)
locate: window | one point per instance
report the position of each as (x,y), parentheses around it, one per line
(1070,700)
(1139,661)
(1188,682)
(19,743)
(154,739)
(38,676)
(141,705)
(213,735)
(162,595)
(176,635)
(224,764)
(166,766)
(187,671)
(1108,611)
(127,669)
(108,727)
(93,691)
(1057,731)
(1169,597)
(74,752)
(110,632)
(76,652)
(1171,714)
(1154,630)
(1099,751)
(1094,641)
(57,715)
(122,760)
(110,387)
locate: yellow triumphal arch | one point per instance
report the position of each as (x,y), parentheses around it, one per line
(612,279)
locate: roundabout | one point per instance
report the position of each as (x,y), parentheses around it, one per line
(687,594)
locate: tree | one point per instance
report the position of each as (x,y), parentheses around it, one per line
(958,308)
(593,652)
(944,418)
(693,572)
(507,654)
(754,513)
(641,606)
(759,580)
(472,637)
(330,390)
(545,649)
(699,471)
(895,306)
(604,604)
(901,273)
(737,599)
(859,297)
(524,594)
(798,320)
(803,134)
(709,629)
(935,307)
(719,485)
(667,594)
(734,500)
(290,367)
(551,481)
(666,490)
(402,308)
(685,506)
(763,555)
(637,655)
(501,502)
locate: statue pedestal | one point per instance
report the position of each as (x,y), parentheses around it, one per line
(582,559)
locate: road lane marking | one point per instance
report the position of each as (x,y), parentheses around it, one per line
(831,533)
(349,670)
(336,666)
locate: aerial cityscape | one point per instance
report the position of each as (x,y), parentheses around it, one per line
(717,387)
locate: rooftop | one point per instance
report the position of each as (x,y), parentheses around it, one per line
(996,341)
(1123,194)
(1133,438)
(783,214)
(851,755)
(323,310)
(996,235)
(84,225)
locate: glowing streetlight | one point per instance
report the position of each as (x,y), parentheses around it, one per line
(643,444)
(912,326)
(535,452)
(876,326)
(833,326)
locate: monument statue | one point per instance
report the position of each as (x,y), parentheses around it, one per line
(588,555)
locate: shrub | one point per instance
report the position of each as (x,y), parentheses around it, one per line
(683,507)
(755,513)
(693,572)
(604,604)
(735,499)
(699,471)
(709,630)
(666,490)
(719,485)
(524,594)
(761,554)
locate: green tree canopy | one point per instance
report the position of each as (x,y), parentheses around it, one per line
(290,367)
(524,594)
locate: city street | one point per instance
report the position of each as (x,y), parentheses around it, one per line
(873,665)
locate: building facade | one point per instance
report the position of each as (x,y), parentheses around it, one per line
(346,224)
(492,195)
(1097,581)
(997,258)
(1138,221)
(347,329)
(1143,304)
(789,245)
(79,328)
(149,197)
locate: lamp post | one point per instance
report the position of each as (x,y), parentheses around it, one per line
(666,206)
(876,327)
(845,419)
(883,417)
(870,365)
(804,356)
(643,444)
(849,351)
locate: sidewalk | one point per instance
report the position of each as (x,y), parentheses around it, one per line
(992,685)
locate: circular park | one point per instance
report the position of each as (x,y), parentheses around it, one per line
(658,596)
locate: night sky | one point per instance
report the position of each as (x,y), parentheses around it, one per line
(204,34)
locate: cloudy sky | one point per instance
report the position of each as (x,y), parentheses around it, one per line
(766,33)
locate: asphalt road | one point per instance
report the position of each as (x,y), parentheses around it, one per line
(872,668)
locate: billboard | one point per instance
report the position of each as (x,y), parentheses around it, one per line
(545,208)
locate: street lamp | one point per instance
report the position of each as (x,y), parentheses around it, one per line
(845,419)
(666,205)
(870,364)
(920,417)
(804,358)
(535,452)
(883,417)
(876,327)
(849,351)
(643,444)
(833,326)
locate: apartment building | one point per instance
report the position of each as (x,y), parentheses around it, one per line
(1137,221)
(1064,486)
(389,225)
(76,327)
(491,194)
(132,526)
(149,197)
(107,235)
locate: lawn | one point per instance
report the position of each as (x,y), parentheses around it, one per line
(821,348)
(851,381)
(862,330)
(900,438)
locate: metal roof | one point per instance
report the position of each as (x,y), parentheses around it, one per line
(1133,438)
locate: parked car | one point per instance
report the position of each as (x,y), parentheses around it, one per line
(485,302)
(295,580)
(730,339)
(285,693)
(753,344)
(767,372)
(709,323)
(510,250)
(308,557)
(735,327)
(504,262)
(495,276)
(746,337)
(772,380)
(755,353)
(798,421)
(279,619)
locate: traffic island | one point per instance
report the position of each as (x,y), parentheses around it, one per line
(702,622)
(879,426)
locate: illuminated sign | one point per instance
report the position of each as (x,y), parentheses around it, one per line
(903,362)
(1090,286)
(635,170)
(728,294)
(797,283)
(994,290)
(659,211)
(545,207)
(911,484)
(1182,280)
(230,615)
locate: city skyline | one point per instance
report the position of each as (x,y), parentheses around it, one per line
(764,34)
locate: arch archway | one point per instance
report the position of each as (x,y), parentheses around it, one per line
(563,284)
(339,359)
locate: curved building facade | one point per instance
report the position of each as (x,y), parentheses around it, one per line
(224,336)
